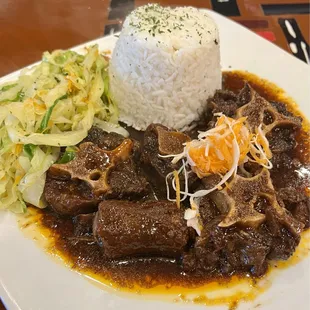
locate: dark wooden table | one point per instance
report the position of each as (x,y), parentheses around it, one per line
(29,27)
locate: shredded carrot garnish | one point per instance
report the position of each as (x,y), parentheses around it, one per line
(178,189)
(213,153)
(70,86)
(17,179)
(18,149)
(220,150)
(260,150)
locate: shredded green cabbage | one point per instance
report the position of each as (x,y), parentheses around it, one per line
(51,105)
(68,155)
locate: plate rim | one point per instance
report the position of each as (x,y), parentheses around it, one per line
(9,300)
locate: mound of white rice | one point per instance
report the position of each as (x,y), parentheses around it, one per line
(165,65)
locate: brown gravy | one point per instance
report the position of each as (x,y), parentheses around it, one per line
(164,275)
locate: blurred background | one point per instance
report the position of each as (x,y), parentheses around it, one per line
(29,27)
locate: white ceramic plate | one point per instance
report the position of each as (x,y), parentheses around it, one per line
(29,279)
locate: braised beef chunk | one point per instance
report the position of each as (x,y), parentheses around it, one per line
(127,181)
(287,170)
(225,250)
(284,162)
(297,202)
(282,139)
(223,101)
(205,254)
(257,109)
(113,194)
(282,108)
(125,229)
(246,247)
(301,212)
(284,241)
(103,173)
(291,195)
(245,95)
(159,140)
(103,139)
(208,210)
(210,181)
(110,141)
(280,126)
(287,167)
(238,200)
(93,165)
(69,197)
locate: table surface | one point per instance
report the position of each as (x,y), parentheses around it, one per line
(29,27)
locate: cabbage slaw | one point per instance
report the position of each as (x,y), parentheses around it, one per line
(51,105)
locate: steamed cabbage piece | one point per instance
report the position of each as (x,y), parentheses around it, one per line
(51,105)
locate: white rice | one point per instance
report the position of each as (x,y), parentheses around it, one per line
(165,65)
